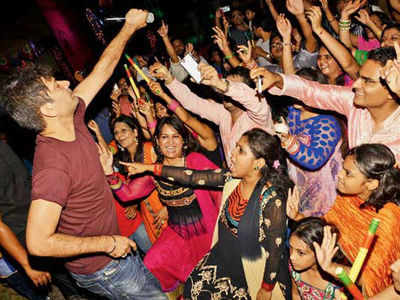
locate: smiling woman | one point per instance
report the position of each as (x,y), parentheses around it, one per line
(191,213)
(257,255)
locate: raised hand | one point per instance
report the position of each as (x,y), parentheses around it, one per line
(292,206)
(156,88)
(314,14)
(115,94)
(220,39)
(245,52)
(284,27)
(93,126)
(209,76)
(163,30)
(106,159)
(145,107)
(268,78)
(116,109)
(160,71)
(189,48)
(363,17)
(326,251)
(136,17)
(218,13)
(351,7)
(226,24)
(295,7)
(391,72)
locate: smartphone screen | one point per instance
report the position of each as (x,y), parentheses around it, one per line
(191,66)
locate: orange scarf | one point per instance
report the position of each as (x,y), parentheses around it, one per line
(352,223)
(150,206)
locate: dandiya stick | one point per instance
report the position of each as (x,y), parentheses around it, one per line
(350,286)
(137,68)
(136,90)
(362,253)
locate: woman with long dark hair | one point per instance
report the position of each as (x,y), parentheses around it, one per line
(248,255)
(191,213)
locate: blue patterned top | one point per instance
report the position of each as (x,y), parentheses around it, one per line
(317,137)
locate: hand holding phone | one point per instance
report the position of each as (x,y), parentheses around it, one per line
(191,66)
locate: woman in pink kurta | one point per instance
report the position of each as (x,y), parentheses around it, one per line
(192,214)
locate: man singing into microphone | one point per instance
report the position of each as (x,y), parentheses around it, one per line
(72,213)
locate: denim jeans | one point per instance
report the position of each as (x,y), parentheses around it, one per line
(141,238)
(125,278)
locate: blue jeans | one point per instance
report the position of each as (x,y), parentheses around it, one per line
(141,238)
(125,278)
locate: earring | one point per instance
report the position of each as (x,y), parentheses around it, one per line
(185,147)
(256,168)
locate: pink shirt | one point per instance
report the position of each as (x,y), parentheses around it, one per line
(340,99)
(257,114)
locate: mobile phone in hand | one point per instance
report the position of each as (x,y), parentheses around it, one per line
(191,66)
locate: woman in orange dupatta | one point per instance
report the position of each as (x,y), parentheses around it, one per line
(130,140)
(370,188)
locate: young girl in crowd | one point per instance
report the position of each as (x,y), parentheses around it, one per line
(191,213)
(248,255)
(305,272)
(370,188)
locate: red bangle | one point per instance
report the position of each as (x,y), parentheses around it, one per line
(157,169)
(173,105)
(152,125)
(268,287)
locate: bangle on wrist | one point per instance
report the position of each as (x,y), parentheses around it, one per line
(173,105)
(287,44)
(115,245)
(228,56)
(268,287)
(157,169)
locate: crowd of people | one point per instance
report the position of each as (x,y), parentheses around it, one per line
(257,182)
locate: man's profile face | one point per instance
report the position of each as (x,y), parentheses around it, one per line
(369,92)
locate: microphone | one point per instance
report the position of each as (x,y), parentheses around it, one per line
(150,18)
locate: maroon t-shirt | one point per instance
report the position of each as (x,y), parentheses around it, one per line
(70,174)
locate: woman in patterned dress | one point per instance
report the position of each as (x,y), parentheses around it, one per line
(192,213)
(248,255)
